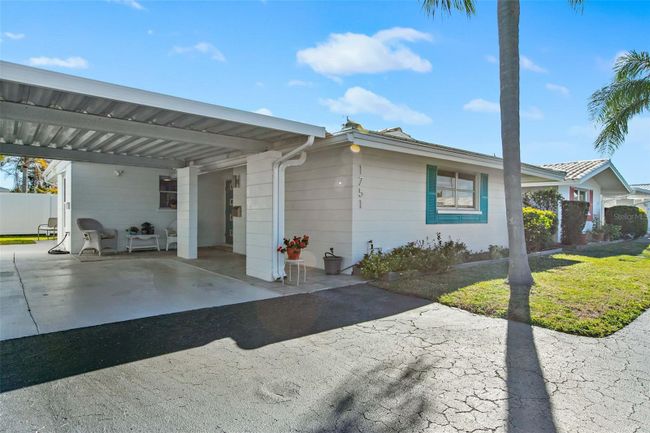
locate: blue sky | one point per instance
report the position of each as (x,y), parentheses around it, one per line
(383,63)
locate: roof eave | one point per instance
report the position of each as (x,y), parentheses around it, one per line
(68,83)
(396,144)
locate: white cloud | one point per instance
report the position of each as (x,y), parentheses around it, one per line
(532,113)
(201,48)
(71,62)
(562,90)
(264,111)
(134,4)
(529,65)
(150,32)
(259,84)
(355,53)
(299,83)
(482,106)
(491,59)
(14,36)
(358,100)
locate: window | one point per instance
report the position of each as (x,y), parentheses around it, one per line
(455,190)
(167,188)
(581,195)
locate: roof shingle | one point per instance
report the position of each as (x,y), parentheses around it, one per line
(576,170)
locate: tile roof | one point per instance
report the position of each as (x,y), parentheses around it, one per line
(576,170)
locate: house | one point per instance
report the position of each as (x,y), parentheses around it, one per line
(591,181)
(246,180)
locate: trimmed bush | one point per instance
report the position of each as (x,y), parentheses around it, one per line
(544,199)
(633,220)
(539,226)
(425,255)
(574,217)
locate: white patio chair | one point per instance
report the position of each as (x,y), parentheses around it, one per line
(47,229)
(170,233)
(96,237)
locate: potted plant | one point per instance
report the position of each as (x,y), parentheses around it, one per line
(147,228)
(597,232)
(294,246)
(133,230)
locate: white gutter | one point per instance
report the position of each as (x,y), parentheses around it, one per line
(279,167)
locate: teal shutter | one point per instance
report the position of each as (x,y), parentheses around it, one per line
(432,215)
(432,212)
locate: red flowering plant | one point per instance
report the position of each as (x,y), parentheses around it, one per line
(297,242)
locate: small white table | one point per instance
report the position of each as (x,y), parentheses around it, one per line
(152,240)
(298,263)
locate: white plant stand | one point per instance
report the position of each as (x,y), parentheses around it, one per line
(153,242)
(297,263)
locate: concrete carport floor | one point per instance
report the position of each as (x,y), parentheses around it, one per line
(41,293)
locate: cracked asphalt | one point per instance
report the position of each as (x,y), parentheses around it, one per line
(354,359)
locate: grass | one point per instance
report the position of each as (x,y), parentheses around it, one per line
(594,292)
(19,239)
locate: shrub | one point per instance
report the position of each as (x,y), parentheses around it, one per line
(543,199)
(633,220)
(493,252)
(574,217)
(539,226)
(424,255)
(611,232)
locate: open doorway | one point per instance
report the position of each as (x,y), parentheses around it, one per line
(228,208)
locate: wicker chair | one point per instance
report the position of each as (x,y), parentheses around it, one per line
(171,234)
(96,237)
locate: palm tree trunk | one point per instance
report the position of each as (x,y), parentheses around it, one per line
(519,275)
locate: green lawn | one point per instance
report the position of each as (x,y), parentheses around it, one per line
(19,239)
(594,292)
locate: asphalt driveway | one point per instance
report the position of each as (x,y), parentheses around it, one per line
(349,359)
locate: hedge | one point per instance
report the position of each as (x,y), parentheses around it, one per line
(574,217)
(633,220)
(539,226)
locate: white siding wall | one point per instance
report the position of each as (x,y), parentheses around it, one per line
(21,214)
(393,204)
(239,223)
(318,202)
(116,201)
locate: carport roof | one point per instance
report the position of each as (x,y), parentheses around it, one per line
(59,116)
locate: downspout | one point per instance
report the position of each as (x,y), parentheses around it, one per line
(279,167)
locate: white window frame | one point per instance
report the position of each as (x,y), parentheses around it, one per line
(576,193)
(455,210)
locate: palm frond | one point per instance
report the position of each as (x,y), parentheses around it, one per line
(631,65)
(578,5)
(615,118)
(446,7)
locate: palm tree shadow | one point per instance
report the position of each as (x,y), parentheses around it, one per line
(387,398)
(529,404)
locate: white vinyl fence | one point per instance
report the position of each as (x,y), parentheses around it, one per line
(21,214)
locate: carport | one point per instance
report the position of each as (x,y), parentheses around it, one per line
(63,117)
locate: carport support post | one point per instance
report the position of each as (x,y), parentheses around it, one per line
(260,246)
(187,211)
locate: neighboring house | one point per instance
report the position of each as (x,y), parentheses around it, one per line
(591,181)
(640,197)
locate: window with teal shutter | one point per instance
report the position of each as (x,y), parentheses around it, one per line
(448,194)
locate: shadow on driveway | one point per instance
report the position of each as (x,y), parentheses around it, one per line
(529,405)
(42,358)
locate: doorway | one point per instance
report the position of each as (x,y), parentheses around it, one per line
(229,202)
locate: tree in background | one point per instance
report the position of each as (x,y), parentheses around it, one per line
(625,97)
(27,173)
(519,275)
